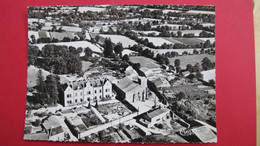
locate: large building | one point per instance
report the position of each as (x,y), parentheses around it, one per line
(85,91)
(130,90)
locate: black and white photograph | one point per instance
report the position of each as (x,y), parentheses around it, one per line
(121,74)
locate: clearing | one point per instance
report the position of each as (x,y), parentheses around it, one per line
(85,65)
(126,42)
(209,75)
(189,41)
(144,62)
(157,41)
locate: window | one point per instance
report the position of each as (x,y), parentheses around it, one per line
(100,90)
(68,95)
(76,100)
(81,100)
(100,96)
(80,93)
(95,91)
(76,94)
(89,92)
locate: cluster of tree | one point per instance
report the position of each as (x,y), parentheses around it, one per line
(207,64)
(56,59)
(47,90)
(205,34)
(162,59)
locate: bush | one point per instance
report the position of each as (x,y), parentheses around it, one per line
(37,122)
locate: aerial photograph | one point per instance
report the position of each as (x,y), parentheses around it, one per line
(121,74)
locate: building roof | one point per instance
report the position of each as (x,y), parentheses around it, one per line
(157,112)
(51,122)
(77,85)
(53,125)
(205,134)
(127,85)
(161,82)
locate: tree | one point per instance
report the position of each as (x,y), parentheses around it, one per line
(126,58)
(207,64)
(108,50)
(199,75)
(41,88)
(189,68)
(97,38)
(197,67)
(179,33)
(52,89)
(33,39)
(177,63)
(33,52)
(118,48)
(212,82)
(88,53)
(136,66)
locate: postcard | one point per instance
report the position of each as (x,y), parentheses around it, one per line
(121,74)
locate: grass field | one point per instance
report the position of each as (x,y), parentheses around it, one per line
(157,41)
(189,41)
(209,75)
(212,40)
(174,41)
(85,65)
(126,42)
(32,75)
(191,59)
(145,62)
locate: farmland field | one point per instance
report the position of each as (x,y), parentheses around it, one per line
(174,41)
(145,62)
(95,9)
(32,75)
(61,35)
(126,42)
(157,41)
(208,24)
(127,51)
(191,59)
(212,40)
(71,29)
(189,41)
(201,12)
(209,75)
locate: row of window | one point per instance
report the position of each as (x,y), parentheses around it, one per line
(89,92)
(81,100)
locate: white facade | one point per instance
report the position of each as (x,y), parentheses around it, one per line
(83,92)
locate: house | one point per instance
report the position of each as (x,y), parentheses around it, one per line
(85,91)
(161,82)
(76,126)
(156,116)
(131,91)
(131,73)
(53,129)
